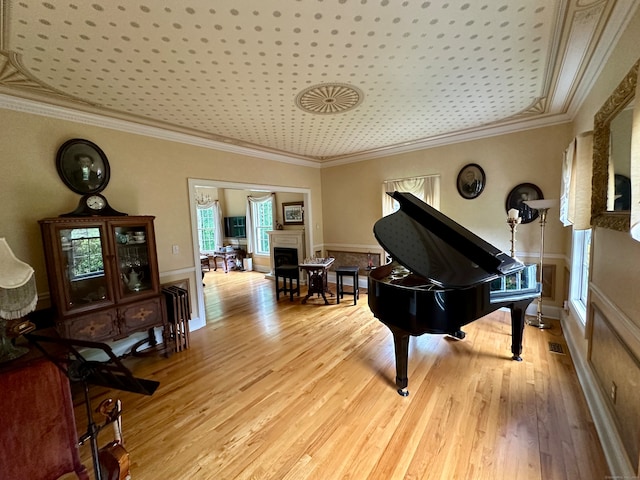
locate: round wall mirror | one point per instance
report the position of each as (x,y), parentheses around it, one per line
(82,166)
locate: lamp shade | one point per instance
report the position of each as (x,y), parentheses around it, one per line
(18,295)
(541,204)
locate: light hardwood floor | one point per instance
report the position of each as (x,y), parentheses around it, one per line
(280,390)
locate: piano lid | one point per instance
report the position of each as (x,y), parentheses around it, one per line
(432,245)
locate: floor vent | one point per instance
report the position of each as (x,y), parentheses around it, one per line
(556,348)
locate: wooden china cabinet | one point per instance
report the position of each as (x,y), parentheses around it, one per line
(103,276)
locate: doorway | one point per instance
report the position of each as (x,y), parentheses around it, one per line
(194,183)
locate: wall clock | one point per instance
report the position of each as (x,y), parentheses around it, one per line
(93,204)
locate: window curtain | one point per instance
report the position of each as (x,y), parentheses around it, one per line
(426,189)
(635,168)
(217,219)
(251,240)
(575,197)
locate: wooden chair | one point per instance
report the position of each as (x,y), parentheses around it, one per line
(205,262)
(286,271)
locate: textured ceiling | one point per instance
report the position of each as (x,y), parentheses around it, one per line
(233,72)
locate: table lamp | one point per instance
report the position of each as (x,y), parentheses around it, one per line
(543,207)
(18,297)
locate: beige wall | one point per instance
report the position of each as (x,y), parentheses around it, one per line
(614,314)
(615,254)
(352,193)
(148,176)
(233,201)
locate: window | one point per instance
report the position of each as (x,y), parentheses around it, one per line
(262,213)
(86,259)
(206,229)
(580,272)
(426,189)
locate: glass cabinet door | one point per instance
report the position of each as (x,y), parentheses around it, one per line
(132,257)
(82,251)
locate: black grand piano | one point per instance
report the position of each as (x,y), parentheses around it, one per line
(440,279)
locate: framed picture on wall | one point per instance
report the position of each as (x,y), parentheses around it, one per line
(293,213)
(471,181)
(519,194)
(82,166)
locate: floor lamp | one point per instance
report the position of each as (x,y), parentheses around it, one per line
(542,206)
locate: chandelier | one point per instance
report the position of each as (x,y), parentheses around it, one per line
(203,198)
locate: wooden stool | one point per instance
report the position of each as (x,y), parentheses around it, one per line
(291,273)
(348,271)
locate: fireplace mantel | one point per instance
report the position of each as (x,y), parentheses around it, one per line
(286,239)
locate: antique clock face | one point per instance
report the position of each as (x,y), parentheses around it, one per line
(95,202)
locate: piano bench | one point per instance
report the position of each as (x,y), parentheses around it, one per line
(291,273)
(347,271)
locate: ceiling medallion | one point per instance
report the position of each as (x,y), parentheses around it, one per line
(328,98)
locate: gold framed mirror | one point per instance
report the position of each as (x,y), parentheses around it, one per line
(621,97)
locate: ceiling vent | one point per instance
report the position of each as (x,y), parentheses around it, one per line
(329,98)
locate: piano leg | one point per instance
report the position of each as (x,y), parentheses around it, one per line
(517,328)
(401,346)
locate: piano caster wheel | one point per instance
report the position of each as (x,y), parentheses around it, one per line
(517,358)
(403,392)
(459,334)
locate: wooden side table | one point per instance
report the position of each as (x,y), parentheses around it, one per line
(317,277)
(226,257)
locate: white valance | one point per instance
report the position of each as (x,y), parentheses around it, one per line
(251,240)
(426,188)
